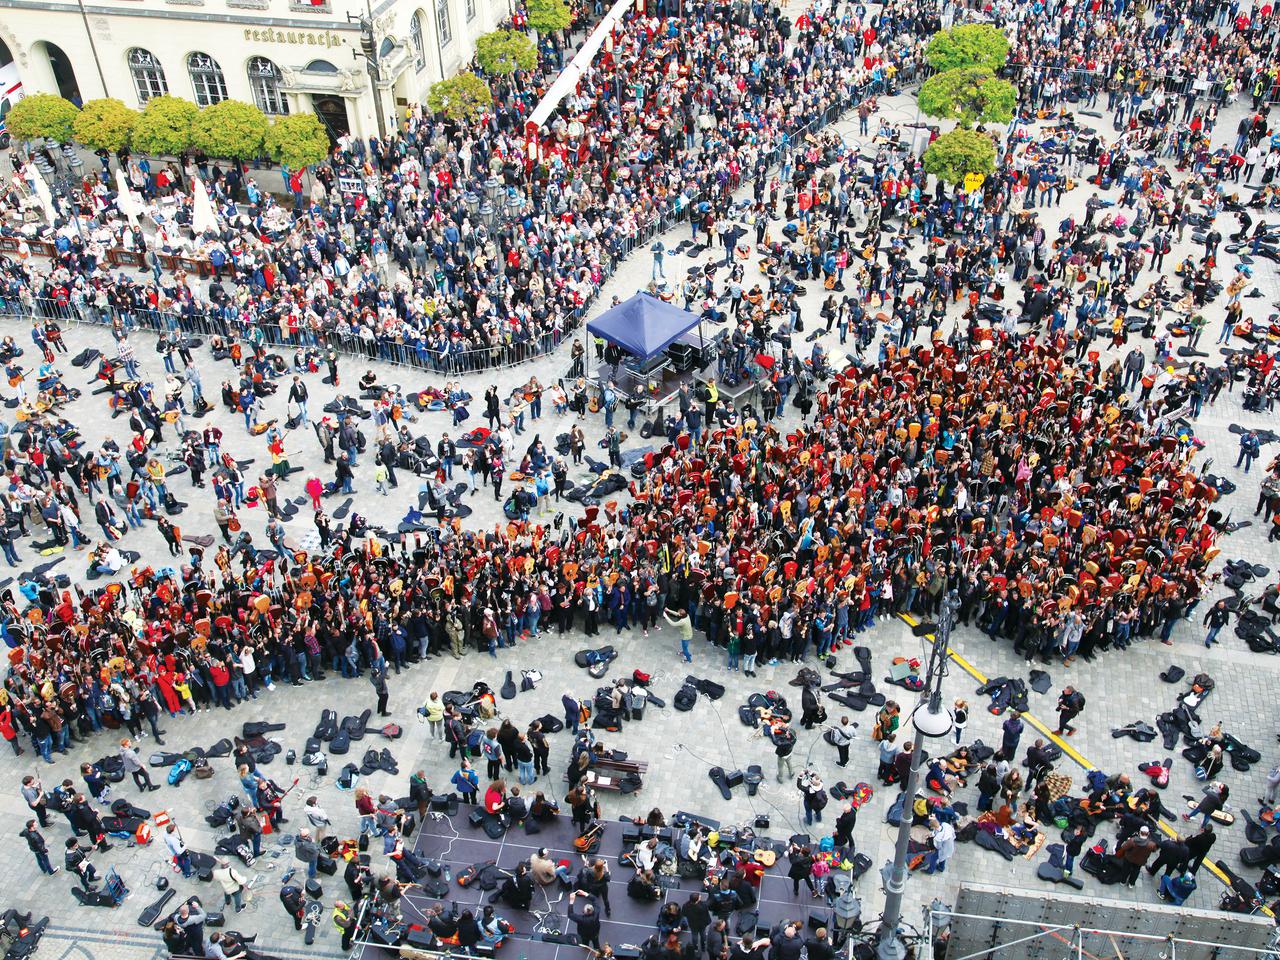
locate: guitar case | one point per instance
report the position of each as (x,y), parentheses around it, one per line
(355,726)
(340,743)
(721,781)
(149,915)
(753,779)
(508,691)
(327,728)
(1052,874)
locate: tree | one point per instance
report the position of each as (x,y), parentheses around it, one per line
(230,128)
(461,97)
(546,16)
(970,45)
(503,52)
(164,128)
(297,140)
(42,115)
(960,152)
(968,95)
(105,124)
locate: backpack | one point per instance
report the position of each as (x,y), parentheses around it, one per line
(685,698)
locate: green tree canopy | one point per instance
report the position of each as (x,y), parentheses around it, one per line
(504,52)
(297,140)
(42,115)
(461,97)
(960,152)
(968,95)
(230,128)
(105,124)
(546,16)
(164,128)
(970,45)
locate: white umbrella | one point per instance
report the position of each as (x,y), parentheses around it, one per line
(202,215)
(126,200)
(41,187)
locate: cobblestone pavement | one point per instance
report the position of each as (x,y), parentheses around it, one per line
(679,748)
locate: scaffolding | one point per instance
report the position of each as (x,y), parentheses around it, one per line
(980,936)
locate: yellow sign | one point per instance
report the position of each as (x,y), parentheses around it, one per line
(973,181)
(296,37)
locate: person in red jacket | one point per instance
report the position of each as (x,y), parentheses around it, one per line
(7,730)
(221,677)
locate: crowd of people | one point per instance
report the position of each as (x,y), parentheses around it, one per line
(1013,452)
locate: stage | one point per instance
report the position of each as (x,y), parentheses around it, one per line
(453,841)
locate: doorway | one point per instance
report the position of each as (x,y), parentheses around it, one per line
(63,73)
(332,112)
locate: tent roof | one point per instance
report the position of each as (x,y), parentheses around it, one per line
(643,325)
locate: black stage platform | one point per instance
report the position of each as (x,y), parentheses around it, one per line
(457,844)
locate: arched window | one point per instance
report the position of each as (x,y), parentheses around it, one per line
(320,66)
(444,27)
(148,75)
(415,41)
(264,78)
(206,79)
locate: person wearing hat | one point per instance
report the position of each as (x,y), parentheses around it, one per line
(1134,854)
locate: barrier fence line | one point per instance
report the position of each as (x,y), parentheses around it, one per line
(503,355)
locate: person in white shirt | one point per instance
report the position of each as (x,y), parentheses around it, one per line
(318,819)
(944,845)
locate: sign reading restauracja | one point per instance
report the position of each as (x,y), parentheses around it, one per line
(299,37)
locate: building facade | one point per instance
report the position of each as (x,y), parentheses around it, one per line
(286,56)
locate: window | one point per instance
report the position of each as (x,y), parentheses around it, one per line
(148,75)
(415,41)
(264,78)
(206,79)
(443,28)
(470,7)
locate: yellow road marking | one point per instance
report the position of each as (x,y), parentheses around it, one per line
(1066,748)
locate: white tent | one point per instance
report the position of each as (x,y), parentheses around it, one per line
(126,200)
(41,188)
(202,216)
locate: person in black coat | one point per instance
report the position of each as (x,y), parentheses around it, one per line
(698,916)
(1198,846)
(810,708)
(291,900)
(585,918)
(848,819)
(818,947)
(517,890)
(84,817)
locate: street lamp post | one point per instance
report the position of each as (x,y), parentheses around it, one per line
(931,720)
(369,50)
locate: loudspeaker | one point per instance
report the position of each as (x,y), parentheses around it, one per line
(736,778)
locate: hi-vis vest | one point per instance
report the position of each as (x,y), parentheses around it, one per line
(341,916)
(713,394)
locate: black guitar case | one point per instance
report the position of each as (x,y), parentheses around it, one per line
(356,726)
(551,724)
(123,808)
(508,691)
(340,743)
(753,778)
(1047,871)
(92,898)
(148,916)
(721,781)
(327,728)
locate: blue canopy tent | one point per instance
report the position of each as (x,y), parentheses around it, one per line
(643,325)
